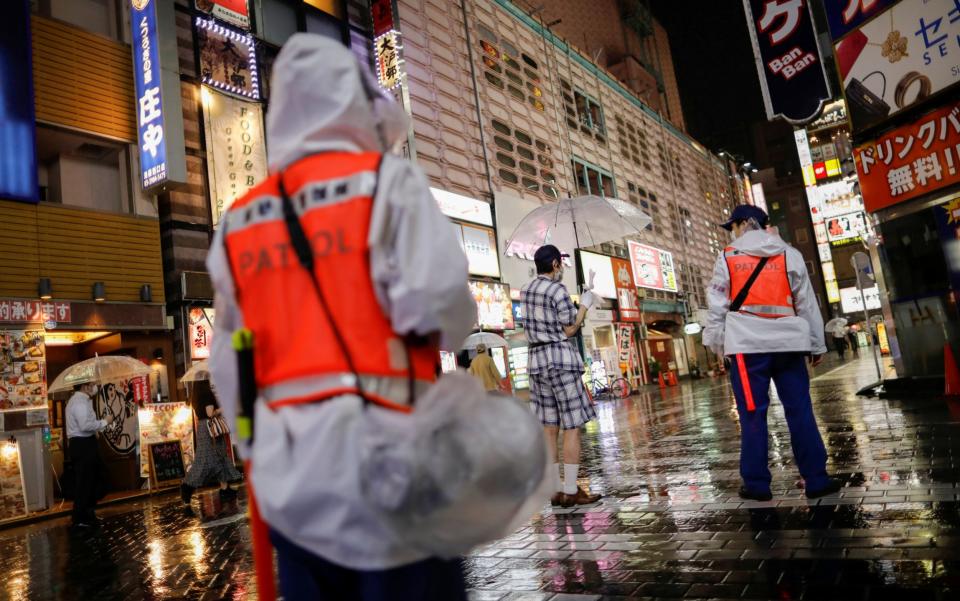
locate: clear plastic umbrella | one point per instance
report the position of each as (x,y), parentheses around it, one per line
(112,368)
(831,326)
(490,340)
(198,371)
(572,222)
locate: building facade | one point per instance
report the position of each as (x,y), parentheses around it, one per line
(507,111)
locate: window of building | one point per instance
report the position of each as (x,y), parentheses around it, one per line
(516,156)
(89,172)
(589,114)
(500,57)
(593,180)
(103,17)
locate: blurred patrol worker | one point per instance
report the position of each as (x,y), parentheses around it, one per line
(764,318)
(350,279)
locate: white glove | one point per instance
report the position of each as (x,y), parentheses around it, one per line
(588,299)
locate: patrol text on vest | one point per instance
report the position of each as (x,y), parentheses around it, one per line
(324,243)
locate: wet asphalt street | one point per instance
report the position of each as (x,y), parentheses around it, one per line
(670,526)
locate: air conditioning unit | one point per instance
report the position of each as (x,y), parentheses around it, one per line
(196,285)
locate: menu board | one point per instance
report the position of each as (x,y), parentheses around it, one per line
(23,369)
(164,422)
(494,307)
(166,462)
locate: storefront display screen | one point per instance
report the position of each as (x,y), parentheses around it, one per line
(851,302)
(652,267)
(598,267)
(448,362)
(494,307)
(844,227)
(518,367)
(479,244)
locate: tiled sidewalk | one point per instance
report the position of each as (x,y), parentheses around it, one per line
(672,526)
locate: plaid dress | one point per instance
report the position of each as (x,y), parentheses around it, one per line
(557,394)
(211,462)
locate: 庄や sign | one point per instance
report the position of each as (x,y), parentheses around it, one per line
(792,78)
(911,160)
(157,89)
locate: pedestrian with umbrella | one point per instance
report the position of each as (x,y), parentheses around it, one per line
(557,394)
(837,328)
(82,425)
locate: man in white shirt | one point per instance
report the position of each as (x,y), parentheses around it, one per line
(82,424)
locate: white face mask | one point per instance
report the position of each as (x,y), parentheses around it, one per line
(558,275)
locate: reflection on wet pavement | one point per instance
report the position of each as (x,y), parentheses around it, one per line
(671,524)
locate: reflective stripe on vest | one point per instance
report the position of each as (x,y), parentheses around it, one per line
(770,296)
(392,393)
(297,356)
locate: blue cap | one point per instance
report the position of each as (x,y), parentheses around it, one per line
(745,212)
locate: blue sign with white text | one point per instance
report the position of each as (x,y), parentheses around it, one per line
(146,76)
(18,141)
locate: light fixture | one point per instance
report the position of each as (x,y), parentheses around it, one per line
(754,170)
(747,164)
(146,294)
(99,292)
(45,289)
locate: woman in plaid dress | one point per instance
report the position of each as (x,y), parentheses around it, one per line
(211,462)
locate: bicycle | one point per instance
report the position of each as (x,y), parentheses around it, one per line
(602,389)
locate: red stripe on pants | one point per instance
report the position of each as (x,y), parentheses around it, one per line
(745,383)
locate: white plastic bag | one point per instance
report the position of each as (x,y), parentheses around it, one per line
(466,467)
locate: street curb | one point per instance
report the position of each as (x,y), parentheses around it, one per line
(41,517)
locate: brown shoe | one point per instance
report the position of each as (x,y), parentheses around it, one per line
(581,498)
(560,500)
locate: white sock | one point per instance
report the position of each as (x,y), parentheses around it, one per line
(570,478)
(557,482)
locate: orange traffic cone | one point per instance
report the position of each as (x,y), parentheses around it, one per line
(660,380)
(951,374)
(672,376)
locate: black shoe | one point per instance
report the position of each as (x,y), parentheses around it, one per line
(832,487)
(84,525)
(188,511)
(227,494)
(755,495)
(185,493)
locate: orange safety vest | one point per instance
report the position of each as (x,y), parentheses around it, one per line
(770,296)
(297,357)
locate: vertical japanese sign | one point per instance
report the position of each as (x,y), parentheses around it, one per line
(792,77)
(18,156)
(626,290)
(388,60)
(912,160)
(899,59)
(236,154)
(159,112)
(201,332)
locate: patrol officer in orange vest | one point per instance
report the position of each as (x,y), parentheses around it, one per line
(764,318)
(350,279)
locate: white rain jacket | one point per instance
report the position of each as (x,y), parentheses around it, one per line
(307,486)
(734,333)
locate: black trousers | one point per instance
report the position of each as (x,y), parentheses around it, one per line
(307,577)
(86,470)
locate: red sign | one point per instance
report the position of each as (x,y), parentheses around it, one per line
(626,290)
(141,389)
(382,13)
(912,160)
(820,170)
(201,332)
(234,12)
(27,311)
